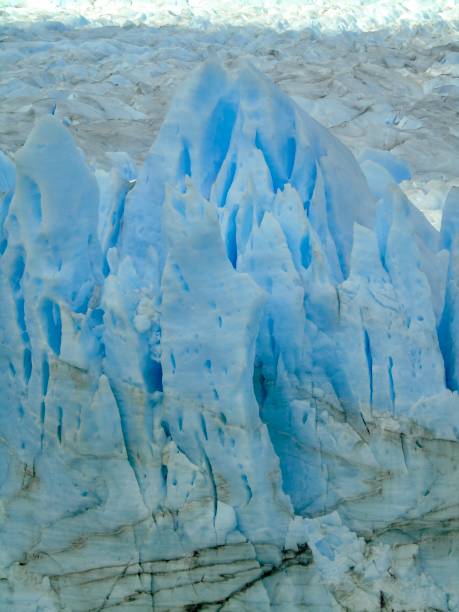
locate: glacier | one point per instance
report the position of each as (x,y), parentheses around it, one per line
(379,76)
(229,381)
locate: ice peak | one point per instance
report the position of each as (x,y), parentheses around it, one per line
(232,129)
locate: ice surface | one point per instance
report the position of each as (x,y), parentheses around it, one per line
(380,75)
(229,380)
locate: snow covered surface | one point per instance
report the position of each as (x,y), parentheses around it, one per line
(380,75)
(230,373)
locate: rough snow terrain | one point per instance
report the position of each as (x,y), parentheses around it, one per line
(379,75)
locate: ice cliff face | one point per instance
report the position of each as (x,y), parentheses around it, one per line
(233,386)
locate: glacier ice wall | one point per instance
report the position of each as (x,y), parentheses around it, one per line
(230,386)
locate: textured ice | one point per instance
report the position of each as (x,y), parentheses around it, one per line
(378,74)
(229,382)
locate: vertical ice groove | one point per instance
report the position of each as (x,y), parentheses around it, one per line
(217,140)
(448,325)
(390,366)
(369,363)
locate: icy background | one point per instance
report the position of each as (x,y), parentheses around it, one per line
(380,75)
(228,359)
